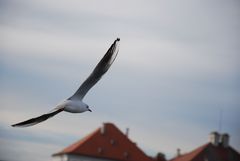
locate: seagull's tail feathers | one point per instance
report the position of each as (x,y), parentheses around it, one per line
(36,120)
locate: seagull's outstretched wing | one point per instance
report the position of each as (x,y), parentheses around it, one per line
(101,68)
(38,119)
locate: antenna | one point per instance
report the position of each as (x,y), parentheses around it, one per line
(220,121)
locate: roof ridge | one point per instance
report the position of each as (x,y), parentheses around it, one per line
(192,154)
(75,145)
(200,149)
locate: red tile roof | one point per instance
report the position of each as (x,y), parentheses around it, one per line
(209,152)
(112,144)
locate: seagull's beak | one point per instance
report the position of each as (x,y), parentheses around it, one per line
(89,110)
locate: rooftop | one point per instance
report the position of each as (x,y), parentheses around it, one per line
(217,149)
(107,142)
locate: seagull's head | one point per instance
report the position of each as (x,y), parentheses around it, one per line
(88,109)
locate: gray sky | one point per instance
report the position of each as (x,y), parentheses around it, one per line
(176,70)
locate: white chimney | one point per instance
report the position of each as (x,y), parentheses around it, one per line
(225,140)
(103,129)
(214,138)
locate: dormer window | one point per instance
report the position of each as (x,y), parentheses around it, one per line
(112,142)
(126,154)
(100,150)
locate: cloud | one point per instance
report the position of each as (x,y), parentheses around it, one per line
(155,55)
(19,150)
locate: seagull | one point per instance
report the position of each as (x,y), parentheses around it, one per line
(75,104)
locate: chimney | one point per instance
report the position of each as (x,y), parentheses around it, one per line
(127,132)
(178,152)
(214,138)
(225,140)
(103,129)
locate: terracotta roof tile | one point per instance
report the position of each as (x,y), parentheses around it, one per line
(113,144)
(208,152)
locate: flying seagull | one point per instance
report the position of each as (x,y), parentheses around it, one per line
(75,104)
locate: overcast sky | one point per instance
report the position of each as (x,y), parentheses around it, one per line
(177,68)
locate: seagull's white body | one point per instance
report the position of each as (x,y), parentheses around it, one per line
(74,104)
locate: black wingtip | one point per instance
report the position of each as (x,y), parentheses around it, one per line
(118,39)
(15,125)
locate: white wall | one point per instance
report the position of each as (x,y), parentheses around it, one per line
(77,158)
